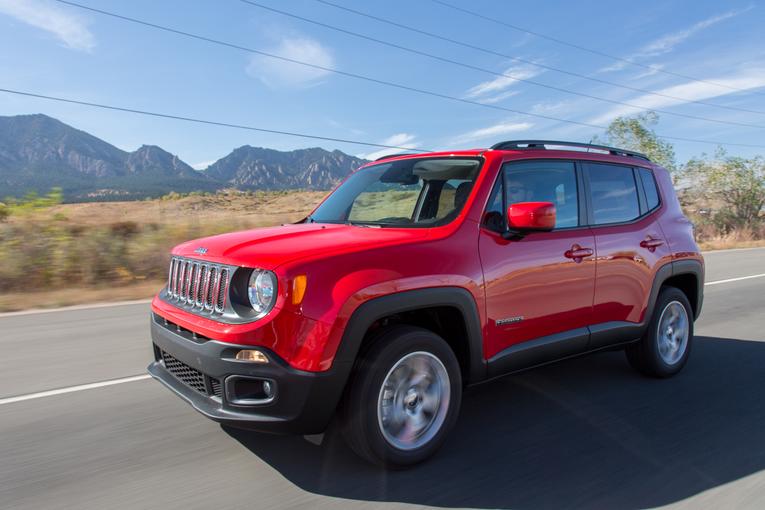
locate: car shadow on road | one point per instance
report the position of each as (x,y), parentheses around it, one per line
(585,433)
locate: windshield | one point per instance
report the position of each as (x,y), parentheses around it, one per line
(405,193)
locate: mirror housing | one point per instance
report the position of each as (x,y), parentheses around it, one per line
(524,217)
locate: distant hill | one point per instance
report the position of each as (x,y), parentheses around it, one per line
(255,167)
(38,152)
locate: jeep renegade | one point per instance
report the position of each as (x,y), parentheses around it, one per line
(422,274)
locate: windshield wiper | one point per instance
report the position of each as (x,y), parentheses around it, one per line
(362,224)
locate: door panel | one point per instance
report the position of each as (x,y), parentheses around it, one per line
(625,270)
(533,285)
(543,283)
(628,253)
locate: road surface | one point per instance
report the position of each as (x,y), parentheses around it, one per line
(585,433)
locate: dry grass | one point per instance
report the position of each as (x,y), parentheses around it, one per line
(255,209)
(709,237)
(79,253)
(15,301)
(726,244)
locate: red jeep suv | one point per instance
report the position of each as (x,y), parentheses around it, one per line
(422,274)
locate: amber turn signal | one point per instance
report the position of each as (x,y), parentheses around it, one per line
(298,289)
(252,356)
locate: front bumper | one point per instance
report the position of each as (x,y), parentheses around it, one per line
(304,402)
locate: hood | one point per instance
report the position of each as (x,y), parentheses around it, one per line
(270,247)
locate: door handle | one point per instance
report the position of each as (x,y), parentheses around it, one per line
(651,244)
(578,253)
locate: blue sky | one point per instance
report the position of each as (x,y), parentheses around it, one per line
(54,49)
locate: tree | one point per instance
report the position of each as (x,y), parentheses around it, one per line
(636,133)
(738,184)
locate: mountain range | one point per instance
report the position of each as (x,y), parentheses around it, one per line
(38,152)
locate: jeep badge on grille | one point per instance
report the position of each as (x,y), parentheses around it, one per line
(201,250)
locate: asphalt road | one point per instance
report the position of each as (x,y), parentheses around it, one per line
(585,433)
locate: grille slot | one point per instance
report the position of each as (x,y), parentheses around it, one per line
(201,286)
(217,389)
(187,375)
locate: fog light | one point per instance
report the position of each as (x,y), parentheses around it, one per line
(268,390)
(252,356)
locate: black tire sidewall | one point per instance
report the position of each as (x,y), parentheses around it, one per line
(387,351)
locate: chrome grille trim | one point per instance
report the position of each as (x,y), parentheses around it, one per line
(200,286)
(174,284)
(170,276)
(212,279)
(201,276)
(220,296)
(181,279)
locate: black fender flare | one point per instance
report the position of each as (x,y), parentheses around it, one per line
(377,308)
(676,268)
(694,267)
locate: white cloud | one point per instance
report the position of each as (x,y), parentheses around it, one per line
(278,73)
(203,164)
(500,83)
(555,107)
(493,132)
(691,91)
(69,28)
(405,140)
(655,69)
(667,43)
(500,97)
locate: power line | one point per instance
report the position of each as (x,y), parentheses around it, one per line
(530,62)
(495,73)
(590,50)
(379,81)
(275,131)
(204,121)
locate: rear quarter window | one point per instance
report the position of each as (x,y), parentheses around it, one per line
(649,186)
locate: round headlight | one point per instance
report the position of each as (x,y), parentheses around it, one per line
(261,290)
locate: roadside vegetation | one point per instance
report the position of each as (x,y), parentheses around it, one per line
(724,195)
(57,254)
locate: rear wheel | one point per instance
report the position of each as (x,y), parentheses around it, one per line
(404,397)
(666,345)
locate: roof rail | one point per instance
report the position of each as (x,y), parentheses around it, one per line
(540,144)
(396,155)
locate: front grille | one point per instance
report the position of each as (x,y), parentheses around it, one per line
(200,285)
(191,377)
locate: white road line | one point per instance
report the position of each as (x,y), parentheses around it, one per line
(82,387)
(75,307)
(736,279)
(72,389)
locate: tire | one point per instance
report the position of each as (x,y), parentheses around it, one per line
(390,415)
(664,348)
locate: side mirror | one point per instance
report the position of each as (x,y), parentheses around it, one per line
(531,217)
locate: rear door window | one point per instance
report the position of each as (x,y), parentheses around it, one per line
(613,193)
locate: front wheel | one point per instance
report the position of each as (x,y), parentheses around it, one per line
(666,345)
(404,398)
